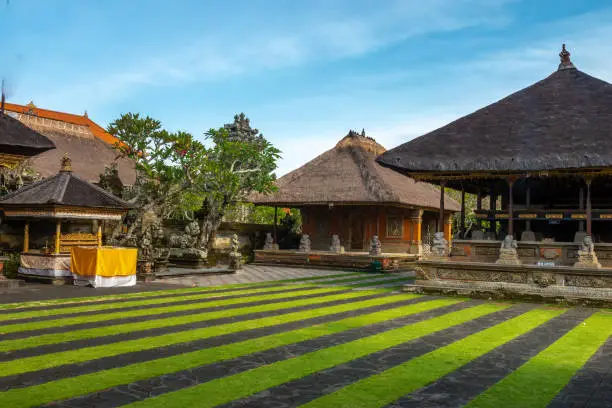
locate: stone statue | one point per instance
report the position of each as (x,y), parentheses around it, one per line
(188,239)
(508,254)
(235,257)
(586,254)
(305,243)
(335,244)
(439,248)
(375,246)
(269,244)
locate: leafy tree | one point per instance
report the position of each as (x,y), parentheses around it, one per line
(238,162)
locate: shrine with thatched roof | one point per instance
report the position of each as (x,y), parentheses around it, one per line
(543,157)
(344,192)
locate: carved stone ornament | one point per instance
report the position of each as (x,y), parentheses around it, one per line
(305,243)
(335,244)
(508,254)
(269,244)
(439,248)
(375,246)
(235,257)
(586,254)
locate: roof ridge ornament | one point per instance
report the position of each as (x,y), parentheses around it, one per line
(66,164)
(566,63)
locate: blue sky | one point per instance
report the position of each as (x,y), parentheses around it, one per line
(305,72)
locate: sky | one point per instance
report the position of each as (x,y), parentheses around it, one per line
(304,72)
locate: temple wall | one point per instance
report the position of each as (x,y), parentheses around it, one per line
(396,227)
(530,253)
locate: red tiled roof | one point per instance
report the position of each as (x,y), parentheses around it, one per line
(97,130)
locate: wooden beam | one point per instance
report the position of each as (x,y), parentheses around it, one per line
(589,216)
(510,208)
(462,226)
(275,222)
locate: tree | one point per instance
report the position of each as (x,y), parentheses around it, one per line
(239,161)
(160,186)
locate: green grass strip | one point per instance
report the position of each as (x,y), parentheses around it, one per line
(147,302)
(226,389)
(54,338)
(371,276)
(165,292)
(36,363)
(384,388)
(88,383)
(70,321)
(538,381)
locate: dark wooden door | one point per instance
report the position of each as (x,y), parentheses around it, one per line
(357,232)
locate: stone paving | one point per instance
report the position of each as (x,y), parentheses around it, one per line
(140,356)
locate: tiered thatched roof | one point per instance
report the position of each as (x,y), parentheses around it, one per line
(90,146)
(349,174)
(16,138)
(63,189)
(561,122)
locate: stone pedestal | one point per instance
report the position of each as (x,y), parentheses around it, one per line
(508,256)
(235,261)
(189,258)
(579,236)
(587,259)
(528,236)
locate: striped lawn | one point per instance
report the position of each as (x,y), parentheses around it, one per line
(380,282)
(226,389)
(89,383)
(71,321)
(54,338)
(536,382)
(390,385)
(147,302)
(45,361)
(358,279)
(165,292)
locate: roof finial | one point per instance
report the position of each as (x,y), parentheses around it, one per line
(566,63)
(85,114)
(363,132)
(66,164)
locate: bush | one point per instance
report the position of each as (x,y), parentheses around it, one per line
(11,265)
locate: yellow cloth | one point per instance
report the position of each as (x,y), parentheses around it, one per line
(105,262)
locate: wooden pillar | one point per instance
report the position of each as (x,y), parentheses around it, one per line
(448,228)
(581,207)
(378,221)
(350,229)
(527,206)
(99,234)
(58,232)
(588,207)
(26,237)
(275,222)
(493,208)
(441,218)
(462,226)
(510,208)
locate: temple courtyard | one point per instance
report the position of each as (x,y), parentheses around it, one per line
(288,337)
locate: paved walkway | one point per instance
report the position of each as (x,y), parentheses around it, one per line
(253,274)
(250,274)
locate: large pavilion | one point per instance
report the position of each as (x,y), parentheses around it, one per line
(345,192)
(546,151)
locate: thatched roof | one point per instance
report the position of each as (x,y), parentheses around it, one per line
(561,122)
(89,145)
(63,189)
(16,138)
(349,174)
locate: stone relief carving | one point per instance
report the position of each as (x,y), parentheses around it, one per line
(375,246)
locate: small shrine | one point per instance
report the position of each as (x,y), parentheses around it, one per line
(59,214)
